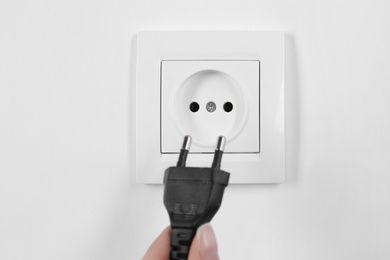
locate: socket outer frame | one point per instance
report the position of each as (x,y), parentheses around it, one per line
(153,47)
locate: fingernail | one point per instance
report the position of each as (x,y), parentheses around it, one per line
(208,248)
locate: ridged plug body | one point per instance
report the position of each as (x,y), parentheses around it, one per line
(192,196)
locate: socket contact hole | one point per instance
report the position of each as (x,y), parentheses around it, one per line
(228,107)
(194,107)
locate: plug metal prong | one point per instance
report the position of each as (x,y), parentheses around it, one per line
(221,143)
(219,152)
(187,143)
(181,162)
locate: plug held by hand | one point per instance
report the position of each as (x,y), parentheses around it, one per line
(192,196)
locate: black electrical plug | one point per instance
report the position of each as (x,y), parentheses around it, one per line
(192,196)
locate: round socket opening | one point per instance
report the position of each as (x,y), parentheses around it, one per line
(228,107)
(194,107)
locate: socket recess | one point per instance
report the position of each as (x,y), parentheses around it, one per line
(206,84)
(226,99)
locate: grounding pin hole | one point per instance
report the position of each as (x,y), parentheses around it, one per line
(194,107)
(228,107)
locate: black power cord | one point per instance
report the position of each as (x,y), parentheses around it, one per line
(192,196)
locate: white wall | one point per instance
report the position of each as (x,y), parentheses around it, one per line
(67,184)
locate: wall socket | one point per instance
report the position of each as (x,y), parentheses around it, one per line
(208,98)
(207,84)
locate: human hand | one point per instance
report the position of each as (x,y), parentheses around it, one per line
(203,247)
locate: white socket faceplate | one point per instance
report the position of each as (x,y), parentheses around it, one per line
(177,68)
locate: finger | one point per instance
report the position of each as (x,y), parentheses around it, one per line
(204,246)
(160,248)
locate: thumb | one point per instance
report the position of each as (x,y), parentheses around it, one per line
(160,248)
(204,246)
